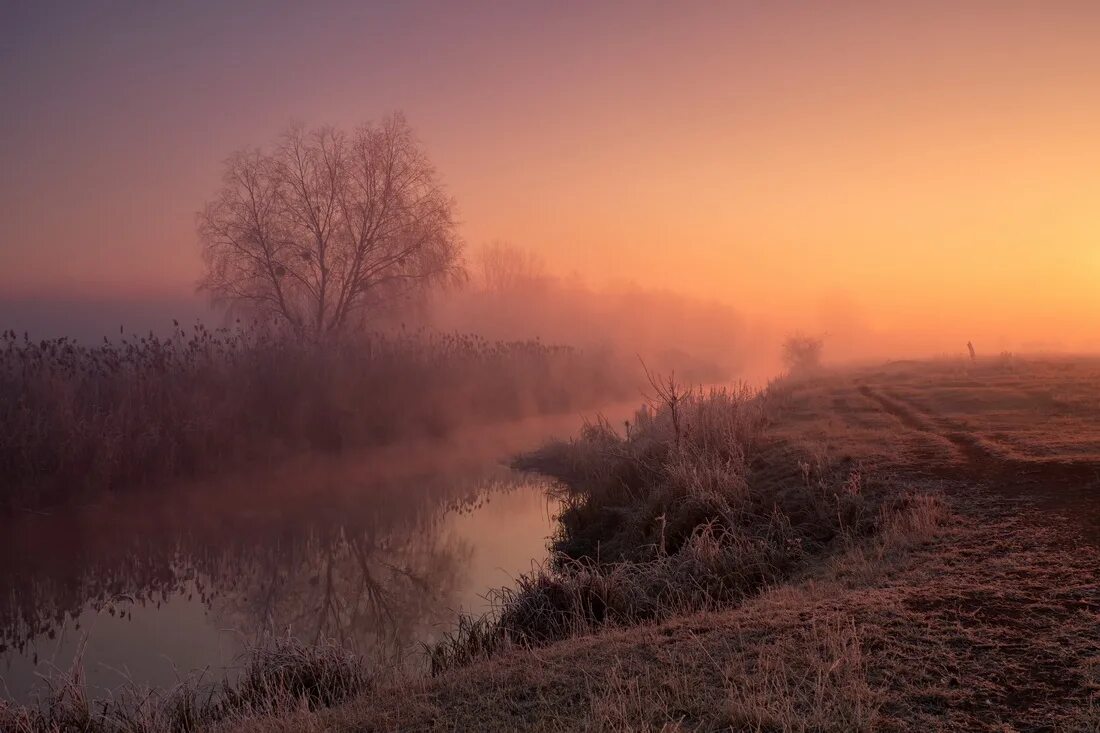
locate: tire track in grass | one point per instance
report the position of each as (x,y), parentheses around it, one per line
(1070,488)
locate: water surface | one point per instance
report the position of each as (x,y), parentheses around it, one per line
(379,551)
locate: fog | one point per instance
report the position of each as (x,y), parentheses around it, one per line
(702,339)
(853,188)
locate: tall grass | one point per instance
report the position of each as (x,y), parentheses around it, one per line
(76,419)
(691,507)
(675,467)
(279,677)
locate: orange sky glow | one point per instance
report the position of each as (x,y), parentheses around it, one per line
(926,172)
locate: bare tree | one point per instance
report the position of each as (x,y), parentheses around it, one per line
(504,267)
(328,225)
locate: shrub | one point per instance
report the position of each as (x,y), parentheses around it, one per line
(802,353)
(669,519)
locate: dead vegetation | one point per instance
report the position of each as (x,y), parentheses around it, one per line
(988,623)
(77,420)
(788,561)
(964,609)
(281,676)
(668,519)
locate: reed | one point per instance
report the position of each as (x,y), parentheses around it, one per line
(77,420)
(280,676)
(669,517)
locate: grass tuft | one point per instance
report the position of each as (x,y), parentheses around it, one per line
(279,677)
(669,518)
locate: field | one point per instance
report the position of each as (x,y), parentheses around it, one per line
(1022,429)
(986,620)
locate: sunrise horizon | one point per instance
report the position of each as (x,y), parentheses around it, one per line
(590,365)
(921,170)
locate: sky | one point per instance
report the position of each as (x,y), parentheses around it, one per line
(921,172)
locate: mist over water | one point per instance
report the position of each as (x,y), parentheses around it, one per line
(379,551)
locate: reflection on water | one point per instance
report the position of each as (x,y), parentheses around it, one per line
(377,552)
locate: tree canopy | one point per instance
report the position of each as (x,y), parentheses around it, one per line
(327,225)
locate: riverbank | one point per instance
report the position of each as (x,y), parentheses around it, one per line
(855,554)
(990,626)
(987,618)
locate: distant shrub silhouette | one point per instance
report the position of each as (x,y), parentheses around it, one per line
(802,353)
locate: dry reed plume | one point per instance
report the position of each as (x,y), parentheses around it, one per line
(76,420)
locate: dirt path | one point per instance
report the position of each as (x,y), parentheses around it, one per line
(1068,485)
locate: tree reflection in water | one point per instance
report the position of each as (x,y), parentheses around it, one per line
(361,551)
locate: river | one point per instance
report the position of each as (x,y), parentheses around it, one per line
(379,551)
